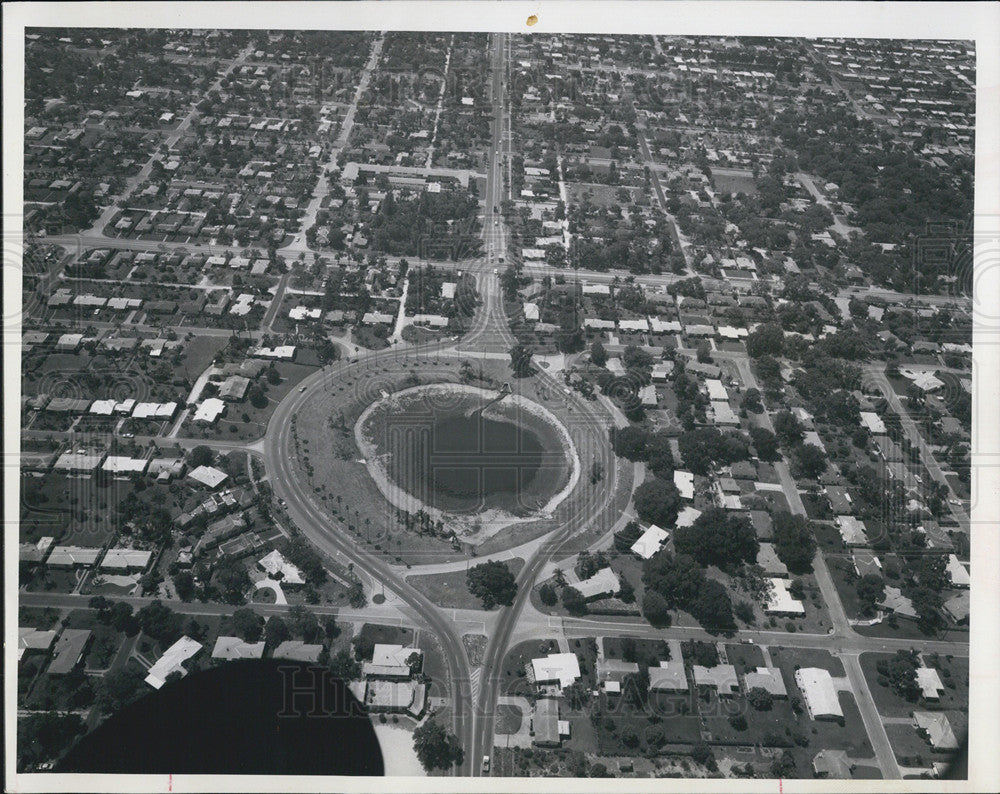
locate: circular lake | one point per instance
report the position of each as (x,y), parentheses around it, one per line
(258,717)
(467,454)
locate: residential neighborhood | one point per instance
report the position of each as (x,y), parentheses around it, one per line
(588,405)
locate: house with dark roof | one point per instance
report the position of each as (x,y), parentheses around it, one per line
(69,650)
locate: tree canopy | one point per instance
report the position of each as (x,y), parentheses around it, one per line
(657,501)
(794,541)
(493,583)
(718,537)
(436,748)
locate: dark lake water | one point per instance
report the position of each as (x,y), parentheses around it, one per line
(465,463)
(264,717)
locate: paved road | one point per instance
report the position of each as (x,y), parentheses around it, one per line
(876,373)
(322,189)
(595,505)
(319,528)
(842,628)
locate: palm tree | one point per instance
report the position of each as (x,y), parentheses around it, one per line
(560,577)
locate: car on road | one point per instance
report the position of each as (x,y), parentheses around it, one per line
(302,388)
(486,763)
(496,271)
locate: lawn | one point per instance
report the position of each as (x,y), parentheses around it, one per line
(734,183)
(434,666)
(50,505)
(450,589)
(845,578)
(198,353)
(39,618)
(816,506)
(790,658)
(516,660)
(828,537)
(910,747)
(645,650)
(744,657)
(379,634)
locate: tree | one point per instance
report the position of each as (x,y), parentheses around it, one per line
(630,442)
(678,579)
(493,583)
(102,605)
(257,396)
(201,456)
(247,624)
(927,604)
(598,355)
(121,618)
(344,666)
(303,623)
(788,428)
(751,401)
(718,537)
(41,737)
(932,572)
(626,537)
(713,607)
(765,442)
(871,591)
(784,766)
(657,501)
(573,601)
(233,580)
(160,622)
(900,674)
(655,609)
(276,632)
(794,541)
(701,753)
(810,459)
(547,594)
(520,360)
(766,340)
(744,611)
(119,688)
(436,748)
(760,698)
(739,722)
(659,456)
(184,585)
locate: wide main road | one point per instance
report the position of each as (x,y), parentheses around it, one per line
(591,505)
(319,529)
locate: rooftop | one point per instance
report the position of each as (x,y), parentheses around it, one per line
(819,692)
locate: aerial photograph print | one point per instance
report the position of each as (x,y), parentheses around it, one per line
(399,399)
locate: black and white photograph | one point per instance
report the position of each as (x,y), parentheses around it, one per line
(455,396)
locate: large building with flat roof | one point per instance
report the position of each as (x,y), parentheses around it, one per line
(816,685)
